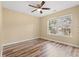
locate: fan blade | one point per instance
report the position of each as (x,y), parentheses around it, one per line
(41,12)
(34,10)
(43,2)
(46,8)
(33,6)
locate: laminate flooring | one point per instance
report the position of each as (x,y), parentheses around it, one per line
(40,48)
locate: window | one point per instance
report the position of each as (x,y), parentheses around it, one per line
(60,26)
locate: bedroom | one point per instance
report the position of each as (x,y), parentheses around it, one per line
(26,33)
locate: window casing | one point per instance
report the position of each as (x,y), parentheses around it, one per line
(60,26)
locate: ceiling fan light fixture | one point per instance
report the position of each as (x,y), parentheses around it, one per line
(39,9)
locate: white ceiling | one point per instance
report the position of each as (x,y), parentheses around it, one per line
(22,6)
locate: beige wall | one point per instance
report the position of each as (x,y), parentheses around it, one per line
(1,38)
(74,40)
(19,26)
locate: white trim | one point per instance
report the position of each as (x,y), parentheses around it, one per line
(19,41)
(70,44)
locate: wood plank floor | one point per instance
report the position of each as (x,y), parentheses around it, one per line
(40,48)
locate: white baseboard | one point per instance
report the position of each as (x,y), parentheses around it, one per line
(18,41)
(61,42)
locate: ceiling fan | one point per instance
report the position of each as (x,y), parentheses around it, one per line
(39,7)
